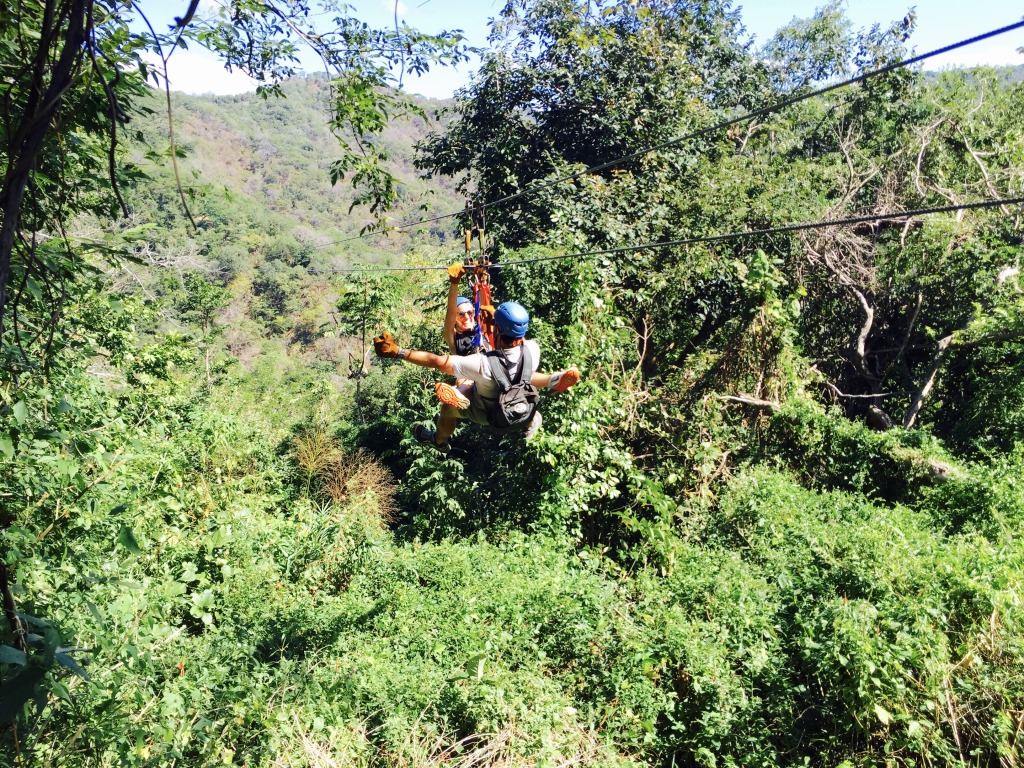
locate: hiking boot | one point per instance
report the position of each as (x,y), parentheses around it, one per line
(562,380)
(426,435)
(449,395)
(534,427)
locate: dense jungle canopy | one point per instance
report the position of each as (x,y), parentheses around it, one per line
(778,522)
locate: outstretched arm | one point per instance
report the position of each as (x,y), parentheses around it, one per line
(556,382)
(455,273)
(427,360)
(386,346)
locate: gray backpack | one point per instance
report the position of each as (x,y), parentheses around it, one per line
(518,399)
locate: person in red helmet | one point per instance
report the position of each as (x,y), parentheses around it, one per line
(512,365)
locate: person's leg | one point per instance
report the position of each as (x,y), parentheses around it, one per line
(534,427)
(443,429)
(446,422)
(457,397)
(556,382)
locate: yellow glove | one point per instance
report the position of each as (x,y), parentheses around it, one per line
(487,313)
(455,272)
(386,346)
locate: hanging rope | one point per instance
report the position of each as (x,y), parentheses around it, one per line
(479,273)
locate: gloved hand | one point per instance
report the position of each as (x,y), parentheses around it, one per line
(385,345)
(487,313)
(455,272)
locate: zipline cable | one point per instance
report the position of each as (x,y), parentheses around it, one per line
(863,77)
(785,228)
(759,112)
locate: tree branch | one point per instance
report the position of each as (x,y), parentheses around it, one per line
(767,405)
(984,172)
(929,381)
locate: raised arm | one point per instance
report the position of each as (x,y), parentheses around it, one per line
(427,360)
(455,273)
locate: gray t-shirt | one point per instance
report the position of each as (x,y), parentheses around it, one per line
(478,369)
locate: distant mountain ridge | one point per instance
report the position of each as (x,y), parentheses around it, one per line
(276,155)
(1014,74)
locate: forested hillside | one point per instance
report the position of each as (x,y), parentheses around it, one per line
(271,158)
(259,224)
(778,522)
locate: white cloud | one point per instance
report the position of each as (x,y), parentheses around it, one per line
(391,7)
(198,71)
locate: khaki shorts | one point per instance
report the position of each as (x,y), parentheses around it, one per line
(477,411)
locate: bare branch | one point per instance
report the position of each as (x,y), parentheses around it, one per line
(929,381)
(862,338)
(984,172)
(920,155)
(1005,274)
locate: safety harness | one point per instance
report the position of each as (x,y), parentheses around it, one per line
(479,273)
(465,342)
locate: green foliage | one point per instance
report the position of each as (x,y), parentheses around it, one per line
(834,453)
(572,84)
(66,92)
(881,615)
(706,557)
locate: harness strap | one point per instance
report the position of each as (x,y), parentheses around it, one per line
(482,298)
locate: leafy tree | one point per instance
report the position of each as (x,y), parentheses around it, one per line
(73,76)
(571,84)
(71,72)
(202,301)
(85,69)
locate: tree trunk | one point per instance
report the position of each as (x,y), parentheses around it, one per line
(33,127)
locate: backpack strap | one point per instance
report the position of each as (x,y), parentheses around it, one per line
(528,368)
(500,372)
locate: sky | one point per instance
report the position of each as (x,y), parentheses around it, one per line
(940,22)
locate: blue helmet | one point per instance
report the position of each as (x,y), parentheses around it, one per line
(462,300)
(512,320)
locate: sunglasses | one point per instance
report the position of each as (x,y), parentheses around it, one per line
(467,313)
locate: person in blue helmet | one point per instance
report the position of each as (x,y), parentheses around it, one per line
(460,318)
(512,352)
(460,333)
